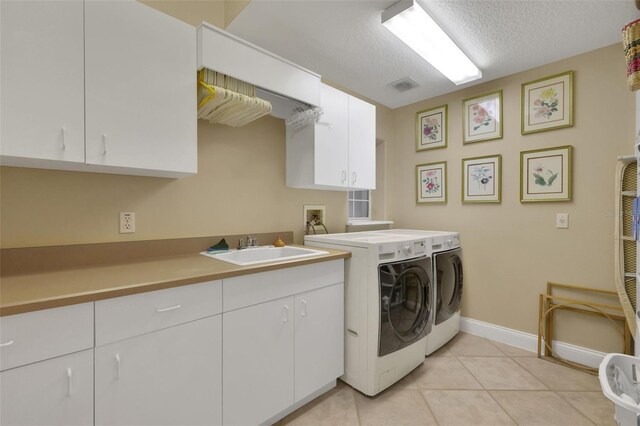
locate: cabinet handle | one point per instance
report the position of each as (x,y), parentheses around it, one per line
(304,305)
(354,177)
(69,374)
(286,317)
(118,366)
(344,176)
(9,343)
(64,137)
(104,144)
(170,308)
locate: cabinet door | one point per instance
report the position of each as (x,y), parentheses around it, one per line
(58,391)
(42,80)
(258,362)
(167,377)
(140,89)
(332,139)
(362,144)
(319,338)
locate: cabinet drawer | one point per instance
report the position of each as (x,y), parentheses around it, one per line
(39,335)
(124,317)
(265,286)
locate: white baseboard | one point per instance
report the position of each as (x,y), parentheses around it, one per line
(529,342)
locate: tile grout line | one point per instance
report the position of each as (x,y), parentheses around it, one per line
(472,375)
(433,413)
(504,410)
(573,406)
(355,404)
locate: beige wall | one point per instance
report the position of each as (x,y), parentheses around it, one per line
(217,12)
(511,249)
(239,188)
(193,11)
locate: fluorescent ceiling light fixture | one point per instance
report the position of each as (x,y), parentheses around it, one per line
(408,21)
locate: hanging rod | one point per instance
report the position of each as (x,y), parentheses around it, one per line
(627,158)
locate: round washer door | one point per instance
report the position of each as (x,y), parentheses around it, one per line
(408,305)
(449,278)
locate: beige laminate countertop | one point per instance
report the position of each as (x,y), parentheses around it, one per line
(33,292)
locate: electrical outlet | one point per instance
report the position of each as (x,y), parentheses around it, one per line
(127,222)
(562,220)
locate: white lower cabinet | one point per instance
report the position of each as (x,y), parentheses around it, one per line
(175,356)
(166,377)
(279,352)
(319,341)
(57,391)
(258,362)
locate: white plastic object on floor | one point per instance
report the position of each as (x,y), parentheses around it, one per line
(619,384)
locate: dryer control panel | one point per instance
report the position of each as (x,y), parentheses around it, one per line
(419,247)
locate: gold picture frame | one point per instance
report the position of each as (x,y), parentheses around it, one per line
(431,183)
(482,179)
(545,174)
(432,128)
(482,118)
(547,103)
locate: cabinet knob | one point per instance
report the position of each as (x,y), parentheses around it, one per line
(104,144)
(286,316)
(354,177)
(304,306)
(63,132)
(344,176)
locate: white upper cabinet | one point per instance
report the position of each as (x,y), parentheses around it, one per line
(332,139)
(362,144)
(140,88)
(337,152)
(42,80)
(99,86)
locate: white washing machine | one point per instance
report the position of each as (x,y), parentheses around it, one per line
(448,283)
(388,305)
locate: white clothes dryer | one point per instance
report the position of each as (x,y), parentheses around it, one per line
(388,305)
(448,283)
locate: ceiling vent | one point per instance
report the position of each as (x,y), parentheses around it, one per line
(404,84)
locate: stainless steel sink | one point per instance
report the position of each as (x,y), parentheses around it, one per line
(254,255)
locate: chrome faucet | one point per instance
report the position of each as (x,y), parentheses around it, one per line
(249,241)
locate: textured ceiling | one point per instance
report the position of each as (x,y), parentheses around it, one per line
(345,42)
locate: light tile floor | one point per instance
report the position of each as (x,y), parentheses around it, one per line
(470,381)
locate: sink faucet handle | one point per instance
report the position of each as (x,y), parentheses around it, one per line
(242,244)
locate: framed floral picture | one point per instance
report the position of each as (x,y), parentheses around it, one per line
(547,103)
(482,118)
(431,128)
(431,183)
(482,179)
(545,174)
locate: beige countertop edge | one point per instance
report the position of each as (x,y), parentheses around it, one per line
(30,304)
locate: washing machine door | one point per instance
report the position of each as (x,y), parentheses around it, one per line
(448,272)
(405,304)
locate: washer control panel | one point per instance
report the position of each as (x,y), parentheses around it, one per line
(403,250)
